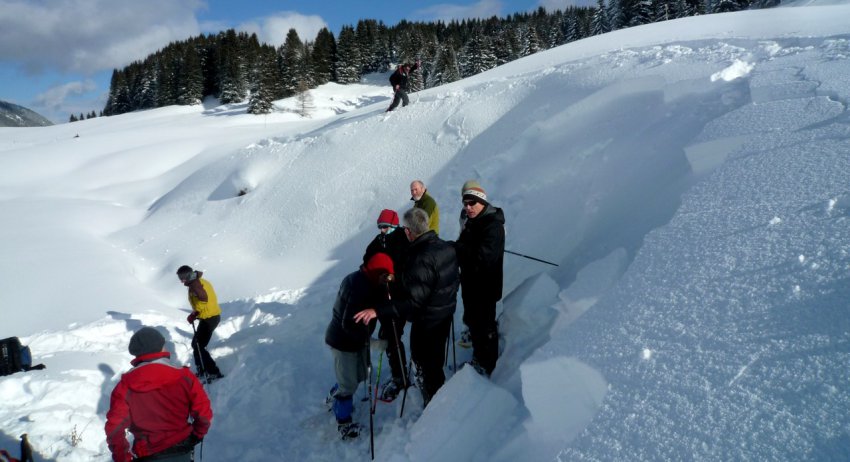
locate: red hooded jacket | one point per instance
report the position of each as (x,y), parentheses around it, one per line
(154,401)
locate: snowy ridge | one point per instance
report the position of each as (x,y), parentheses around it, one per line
(690,179)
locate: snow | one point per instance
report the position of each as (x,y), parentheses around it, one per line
(689,178)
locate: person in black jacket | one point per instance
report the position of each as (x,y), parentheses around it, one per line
(480,250)
(349,341)
(391,240)
(400,82)
(429,284)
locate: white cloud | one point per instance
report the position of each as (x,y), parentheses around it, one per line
(54,98)
(448,12)
(87,36)
(273,29)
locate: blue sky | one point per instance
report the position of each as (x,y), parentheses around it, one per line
(57,56)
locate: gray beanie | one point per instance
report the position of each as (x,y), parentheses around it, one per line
(146,340)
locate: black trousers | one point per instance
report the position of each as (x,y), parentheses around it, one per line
(480,317)
(428,350)
(203,360)
(396,354)
(400,95)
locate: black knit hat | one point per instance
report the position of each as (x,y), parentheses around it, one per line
(145,341)
(185,273)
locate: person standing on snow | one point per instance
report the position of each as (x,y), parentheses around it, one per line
(162,405)
(422,200)
(429,284)
(349,341)
(205,308)
(480,250)
(400,80)
(391,240)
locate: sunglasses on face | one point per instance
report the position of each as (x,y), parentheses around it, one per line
(383,226)
(469,203)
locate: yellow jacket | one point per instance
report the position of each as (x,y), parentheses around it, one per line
(203,299)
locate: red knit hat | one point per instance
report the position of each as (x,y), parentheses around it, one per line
(388,217)
(378,264)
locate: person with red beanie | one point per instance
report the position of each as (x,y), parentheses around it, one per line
(391,240)
(349,341)
(162,405)
(428,299)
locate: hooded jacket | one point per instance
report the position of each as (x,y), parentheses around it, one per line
(154,400)
(202,297)
(429,283)
(481,250)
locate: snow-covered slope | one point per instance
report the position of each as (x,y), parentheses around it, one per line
(688,177)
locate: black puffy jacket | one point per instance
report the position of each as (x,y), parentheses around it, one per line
(356,293)
(429,283)
(481,251)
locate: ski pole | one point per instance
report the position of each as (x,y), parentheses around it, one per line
(371,419)
(530,258)
(401,363)
(454,355)
(377,382)
(400,360)
(197,348)
(404,397)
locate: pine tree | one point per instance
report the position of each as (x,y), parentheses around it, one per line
(600,24)
(232,82)
(190,80)
(324,50)
(347,57)
(724,6)
(478,55)
(446,68)
(643,12)
(118,101)
(264,81)
(73,118)
(291,53)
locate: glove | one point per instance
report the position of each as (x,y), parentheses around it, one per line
(191,318)
(194,440)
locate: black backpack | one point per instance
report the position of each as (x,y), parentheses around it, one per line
(14,357)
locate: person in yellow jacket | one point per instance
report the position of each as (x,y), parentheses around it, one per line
(204,308)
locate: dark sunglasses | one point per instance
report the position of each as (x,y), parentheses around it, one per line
(383,226)
(469,203)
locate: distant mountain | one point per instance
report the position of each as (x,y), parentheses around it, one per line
(12,115)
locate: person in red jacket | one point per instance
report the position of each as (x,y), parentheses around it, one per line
(164,406)
(400,82)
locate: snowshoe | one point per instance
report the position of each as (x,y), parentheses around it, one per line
(478,368)
(348,431)
(465,340)
(391,389)
(329,400)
